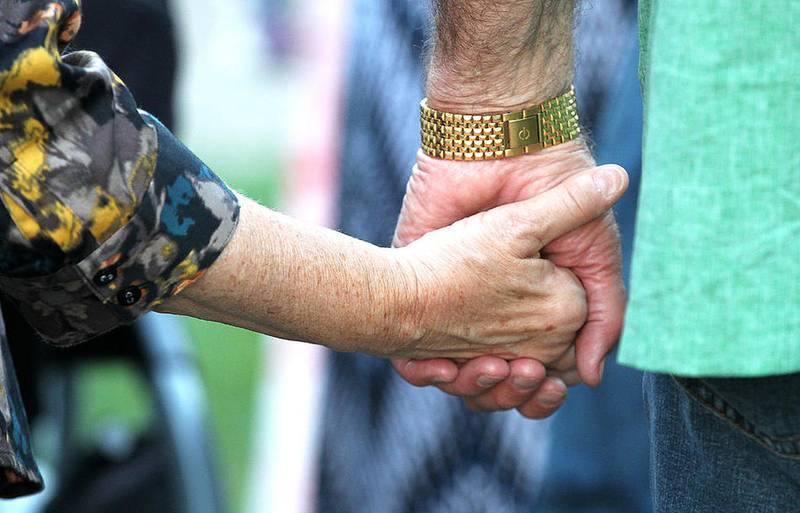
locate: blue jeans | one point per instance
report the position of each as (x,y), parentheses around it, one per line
(724,445)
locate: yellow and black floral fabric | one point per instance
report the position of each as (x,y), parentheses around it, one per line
(103,212)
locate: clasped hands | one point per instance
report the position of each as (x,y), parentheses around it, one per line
(569,274)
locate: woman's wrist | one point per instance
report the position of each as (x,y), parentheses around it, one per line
(302,282)
(393,323)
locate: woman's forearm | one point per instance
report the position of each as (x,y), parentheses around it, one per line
(301,282)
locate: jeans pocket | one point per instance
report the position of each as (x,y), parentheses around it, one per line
(767,410)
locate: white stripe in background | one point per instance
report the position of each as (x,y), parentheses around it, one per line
(283,471)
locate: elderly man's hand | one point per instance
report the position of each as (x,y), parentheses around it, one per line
(441,192)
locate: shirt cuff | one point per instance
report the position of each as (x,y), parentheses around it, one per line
(105,212)
(182,224)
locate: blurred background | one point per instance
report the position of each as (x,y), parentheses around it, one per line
(250,86)
(248,72)
(260,89)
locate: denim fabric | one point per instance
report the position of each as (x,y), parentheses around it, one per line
(725,445)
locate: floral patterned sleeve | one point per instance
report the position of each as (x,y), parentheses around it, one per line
(103,212)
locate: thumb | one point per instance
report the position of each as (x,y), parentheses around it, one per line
(562,209)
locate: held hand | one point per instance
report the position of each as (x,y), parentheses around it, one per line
(483,288)
(441,191)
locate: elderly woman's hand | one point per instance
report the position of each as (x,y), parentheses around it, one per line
(482,287)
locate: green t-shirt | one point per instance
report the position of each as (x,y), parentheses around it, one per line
(715,287)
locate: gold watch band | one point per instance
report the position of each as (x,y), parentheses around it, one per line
(495,136)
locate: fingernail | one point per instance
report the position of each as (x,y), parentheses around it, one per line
(526,383)
(595,380)
(438,380)
(552,398)
(488,381)
(608,180)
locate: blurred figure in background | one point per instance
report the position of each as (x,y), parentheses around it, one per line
(279,34)
(389,447)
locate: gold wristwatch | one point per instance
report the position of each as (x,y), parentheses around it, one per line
(446,135)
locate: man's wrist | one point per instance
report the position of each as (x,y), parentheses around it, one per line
(499,57)
(459,94)
(538,171)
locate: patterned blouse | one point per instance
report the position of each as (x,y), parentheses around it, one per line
(104,213)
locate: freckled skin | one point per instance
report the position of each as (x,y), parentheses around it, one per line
(454,293)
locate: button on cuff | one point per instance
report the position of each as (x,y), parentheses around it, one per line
(105,277)
(129,296)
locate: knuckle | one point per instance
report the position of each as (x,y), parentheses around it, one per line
(575,199)
(566,315)
(541,270)
(523,279)
(569,306)
(576,315)
(514,226)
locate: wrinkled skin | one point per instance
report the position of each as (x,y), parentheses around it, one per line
(441,192)
(483,288)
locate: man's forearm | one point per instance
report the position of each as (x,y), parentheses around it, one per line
(500,55)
